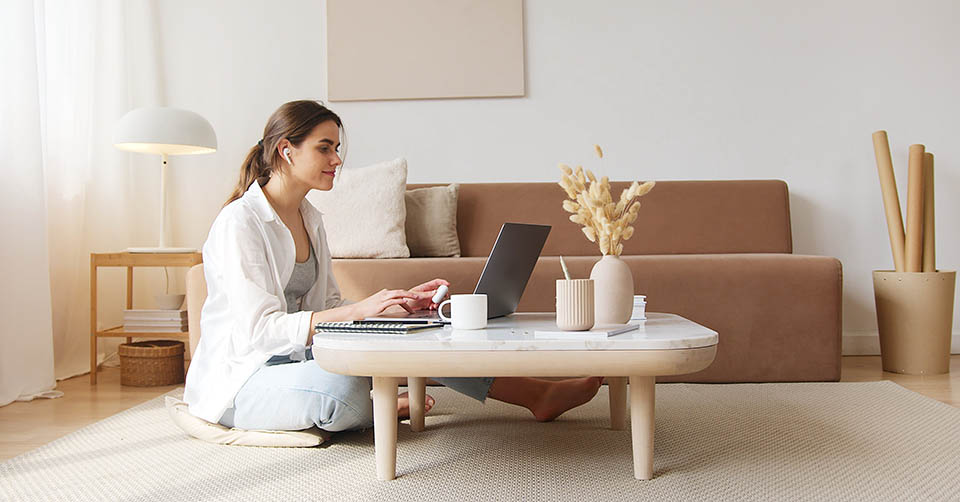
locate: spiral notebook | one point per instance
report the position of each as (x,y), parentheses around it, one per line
(371,328)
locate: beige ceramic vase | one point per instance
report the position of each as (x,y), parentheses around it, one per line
(612,290)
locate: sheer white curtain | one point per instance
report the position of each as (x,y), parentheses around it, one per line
(87,63)
(26,360)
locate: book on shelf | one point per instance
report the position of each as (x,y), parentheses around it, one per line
(599,331)
(158,321)
(155,324)
(154,315)
(154,329)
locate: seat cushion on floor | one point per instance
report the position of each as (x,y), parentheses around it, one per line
(219,434)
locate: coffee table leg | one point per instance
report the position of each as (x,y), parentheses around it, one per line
(385,426)
(618,402)
(417,387)
(642,401)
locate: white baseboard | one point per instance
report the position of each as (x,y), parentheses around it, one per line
(867,343)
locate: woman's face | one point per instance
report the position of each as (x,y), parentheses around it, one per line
(316,160)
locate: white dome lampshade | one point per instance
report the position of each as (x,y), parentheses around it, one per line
(164,131)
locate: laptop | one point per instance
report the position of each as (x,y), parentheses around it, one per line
(504,275)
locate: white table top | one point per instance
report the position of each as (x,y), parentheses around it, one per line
(516,332)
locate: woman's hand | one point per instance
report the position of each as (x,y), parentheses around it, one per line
(419,297)
(426,292)
(378,302)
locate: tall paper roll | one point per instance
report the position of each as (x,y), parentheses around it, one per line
(891,201)
(929,242)
(913,250)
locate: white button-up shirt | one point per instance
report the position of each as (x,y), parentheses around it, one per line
(247,261)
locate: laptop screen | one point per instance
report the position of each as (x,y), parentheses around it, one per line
(505,273)
(508,269)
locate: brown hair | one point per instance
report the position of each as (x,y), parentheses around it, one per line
(293,121)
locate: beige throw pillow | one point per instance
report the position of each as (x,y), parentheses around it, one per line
(432,221)
(364,213)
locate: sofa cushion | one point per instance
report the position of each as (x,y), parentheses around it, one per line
(432,221)
(365,211)
(677,217)
(219,434)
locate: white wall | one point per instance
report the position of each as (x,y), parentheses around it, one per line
(672,90)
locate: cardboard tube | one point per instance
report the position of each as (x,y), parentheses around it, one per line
(913,250)
(929,242)
(891,201)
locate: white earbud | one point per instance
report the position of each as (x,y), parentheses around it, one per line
(286,155)
(441,294)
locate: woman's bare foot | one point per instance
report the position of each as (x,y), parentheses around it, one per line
(564,395)
(403,405)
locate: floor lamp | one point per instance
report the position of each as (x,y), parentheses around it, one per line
(164,131)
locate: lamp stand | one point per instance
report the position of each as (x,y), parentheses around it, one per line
(163,248)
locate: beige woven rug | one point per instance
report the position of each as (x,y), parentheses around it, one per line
(823,441)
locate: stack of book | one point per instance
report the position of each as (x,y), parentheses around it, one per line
(155,321)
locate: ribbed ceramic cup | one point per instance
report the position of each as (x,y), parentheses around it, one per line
(575,304)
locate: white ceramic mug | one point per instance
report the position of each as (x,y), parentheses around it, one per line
(466,311)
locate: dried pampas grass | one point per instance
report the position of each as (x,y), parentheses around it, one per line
(604,221)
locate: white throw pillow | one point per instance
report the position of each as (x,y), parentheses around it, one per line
(364,213)
(219,434)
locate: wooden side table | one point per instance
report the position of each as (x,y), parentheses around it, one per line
(129,260)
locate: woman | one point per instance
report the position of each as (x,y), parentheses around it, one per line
(269,280)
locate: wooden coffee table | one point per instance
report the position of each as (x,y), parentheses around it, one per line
(665,344)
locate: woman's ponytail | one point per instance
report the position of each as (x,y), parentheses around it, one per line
(293,121)
(251,170)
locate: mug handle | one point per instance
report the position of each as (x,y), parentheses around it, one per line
(440,311)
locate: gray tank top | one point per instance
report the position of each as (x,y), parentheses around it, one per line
(302,279)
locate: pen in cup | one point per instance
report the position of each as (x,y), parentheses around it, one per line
(566,273)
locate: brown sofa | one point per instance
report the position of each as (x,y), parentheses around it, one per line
(716,252)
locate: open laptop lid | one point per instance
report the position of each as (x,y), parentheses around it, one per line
(508,269)
(504,276)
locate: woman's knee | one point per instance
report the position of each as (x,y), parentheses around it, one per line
(346,405)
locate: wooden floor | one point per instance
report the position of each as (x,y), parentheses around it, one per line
(25,426)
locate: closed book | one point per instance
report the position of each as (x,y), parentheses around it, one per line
(149,324)
(155,329)
(599,331)
(157,311)
(154,315)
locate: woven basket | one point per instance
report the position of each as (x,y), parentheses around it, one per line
(151,363)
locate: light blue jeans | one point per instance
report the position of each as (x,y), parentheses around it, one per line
(299,395)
